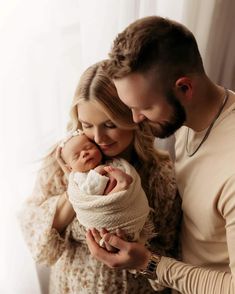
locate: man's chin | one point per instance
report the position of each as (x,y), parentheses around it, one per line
(161,132)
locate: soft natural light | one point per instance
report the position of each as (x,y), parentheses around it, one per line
(45,46)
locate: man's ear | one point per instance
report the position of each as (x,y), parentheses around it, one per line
(184,88)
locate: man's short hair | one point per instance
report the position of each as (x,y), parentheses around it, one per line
(155,43)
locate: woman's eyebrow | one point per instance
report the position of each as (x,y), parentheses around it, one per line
(103,122)
(83,121)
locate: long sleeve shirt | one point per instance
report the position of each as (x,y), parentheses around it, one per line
(206,182)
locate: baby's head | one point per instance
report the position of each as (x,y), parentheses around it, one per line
(80,154)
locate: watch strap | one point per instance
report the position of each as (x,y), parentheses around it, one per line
(150,270)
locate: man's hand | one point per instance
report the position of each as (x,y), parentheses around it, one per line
(130,255)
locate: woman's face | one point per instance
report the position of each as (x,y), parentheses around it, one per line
(99,128)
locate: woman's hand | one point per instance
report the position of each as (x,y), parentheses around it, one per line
(61,162)
(129,255)
(98,237)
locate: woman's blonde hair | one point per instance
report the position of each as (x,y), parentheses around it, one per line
(96,86)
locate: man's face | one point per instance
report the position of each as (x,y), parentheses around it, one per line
(163,111)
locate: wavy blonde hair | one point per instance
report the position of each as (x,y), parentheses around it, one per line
(96,86)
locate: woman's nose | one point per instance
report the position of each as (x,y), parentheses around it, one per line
(98,136)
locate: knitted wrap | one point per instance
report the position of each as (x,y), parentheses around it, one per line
(127,209)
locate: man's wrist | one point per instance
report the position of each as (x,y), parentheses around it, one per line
(151,266)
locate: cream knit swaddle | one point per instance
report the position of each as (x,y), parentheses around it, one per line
(127,209)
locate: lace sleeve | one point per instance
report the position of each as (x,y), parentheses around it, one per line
(36,218)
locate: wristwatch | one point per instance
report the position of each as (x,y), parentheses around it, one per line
(150,270)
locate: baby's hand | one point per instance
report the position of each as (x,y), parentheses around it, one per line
(100,169)
(122,179)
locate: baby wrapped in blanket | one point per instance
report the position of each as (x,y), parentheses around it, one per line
(104,196)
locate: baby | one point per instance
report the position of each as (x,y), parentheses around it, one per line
(82,158)
(125,206)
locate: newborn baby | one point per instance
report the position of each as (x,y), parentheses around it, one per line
(82,157)
(125,205)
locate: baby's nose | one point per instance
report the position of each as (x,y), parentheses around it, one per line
(84,153)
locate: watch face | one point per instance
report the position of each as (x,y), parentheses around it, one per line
(150,271)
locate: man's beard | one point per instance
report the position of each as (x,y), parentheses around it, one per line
(177,119)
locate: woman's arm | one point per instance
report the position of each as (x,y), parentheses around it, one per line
(64,213)
(44,217)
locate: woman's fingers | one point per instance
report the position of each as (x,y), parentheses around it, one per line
(103,231)
(96,235)
(120,233)
(58,152)
(110,248)
(61,161)
(130,255)
(115,241)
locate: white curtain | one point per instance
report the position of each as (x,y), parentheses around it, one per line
(45,45)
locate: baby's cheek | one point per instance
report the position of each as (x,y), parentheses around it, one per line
(97,153)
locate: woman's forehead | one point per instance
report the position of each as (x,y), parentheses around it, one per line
(92,112)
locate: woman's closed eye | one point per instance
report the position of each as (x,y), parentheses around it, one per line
(86,126)
(110,125)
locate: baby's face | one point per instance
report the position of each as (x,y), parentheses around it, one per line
(81,154)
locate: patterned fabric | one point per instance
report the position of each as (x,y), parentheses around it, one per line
(73,269)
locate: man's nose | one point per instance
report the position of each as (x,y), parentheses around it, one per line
(137,116)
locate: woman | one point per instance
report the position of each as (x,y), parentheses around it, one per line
(51,230)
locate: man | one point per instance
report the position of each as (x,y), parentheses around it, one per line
(158,72)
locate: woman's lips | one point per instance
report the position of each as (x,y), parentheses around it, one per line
(106,146)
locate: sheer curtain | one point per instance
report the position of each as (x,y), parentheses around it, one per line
(45,45)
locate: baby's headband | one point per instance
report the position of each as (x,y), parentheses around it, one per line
(70,135)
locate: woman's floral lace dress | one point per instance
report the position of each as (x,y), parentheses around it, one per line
(73,269)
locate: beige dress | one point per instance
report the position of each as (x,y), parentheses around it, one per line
(73,269)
